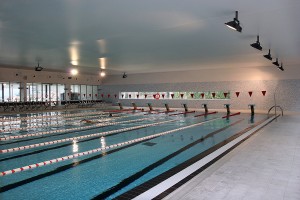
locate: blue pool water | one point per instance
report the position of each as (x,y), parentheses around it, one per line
(89,176)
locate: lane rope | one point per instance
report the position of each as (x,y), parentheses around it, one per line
(68,130)
(56,160)
(62,123)
(80,137)
(50,116)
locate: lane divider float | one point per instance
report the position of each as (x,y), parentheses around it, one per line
(80,137)
(204,114)
(68,130)
(56,160)
(182,113)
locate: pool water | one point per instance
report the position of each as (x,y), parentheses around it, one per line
(113,171)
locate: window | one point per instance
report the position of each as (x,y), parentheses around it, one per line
(211,95)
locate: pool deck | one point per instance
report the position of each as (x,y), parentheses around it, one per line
(266,166)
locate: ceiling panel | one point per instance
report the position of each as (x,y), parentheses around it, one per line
(137,36)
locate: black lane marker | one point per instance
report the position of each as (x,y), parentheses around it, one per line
(186,179)
(62,168)
(139,174)
(50,135)
(160,178)
(61,146)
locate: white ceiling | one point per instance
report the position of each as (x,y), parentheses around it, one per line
(139,36)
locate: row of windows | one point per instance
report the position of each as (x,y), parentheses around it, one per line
(175,95)
(10,91)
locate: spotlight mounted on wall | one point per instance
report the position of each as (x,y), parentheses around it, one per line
(276,62)
(38,67)
(235,24)
(257,45)
(124,75)
(281,67)
(268,56)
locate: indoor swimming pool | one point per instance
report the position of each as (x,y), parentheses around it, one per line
(96,154)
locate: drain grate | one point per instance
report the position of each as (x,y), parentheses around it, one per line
(150,144)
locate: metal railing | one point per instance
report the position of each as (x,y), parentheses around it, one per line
(276,110)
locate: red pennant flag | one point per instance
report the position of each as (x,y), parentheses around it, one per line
(68,94)
(154,95)
(237,94)
(163,96)
(108,95)
(96,95)
(137,96)
(202,95)
(145,96)
(213,94)
(115,95)
(250,94)
(84,95)
(102,95)
(90,94)
(122,96)
(129,95)
(172,95)
(264,92)
(181,95)
(192,95)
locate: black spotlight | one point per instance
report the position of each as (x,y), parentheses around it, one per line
(276,62)
(281,67)
(268,56)
(235,24)
(38,68)
(256,45)
(124,75)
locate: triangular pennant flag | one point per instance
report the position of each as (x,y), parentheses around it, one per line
(181,95)
(192,95)
(115,95)
(84,95)
(154,96)
(145,96)
(225,94)
(137,96)
(108,95)
(163,96)
(129,95)
(250,93)
(264,92)
(172,95)
(122,96)
(90,94)
(237,94)
(213,94)
(102,95)
(96,95)
(202,95)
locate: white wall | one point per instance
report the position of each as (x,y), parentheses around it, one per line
(207,75)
